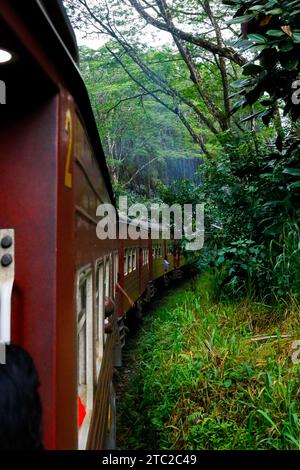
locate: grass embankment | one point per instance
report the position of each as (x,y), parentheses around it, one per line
(200,382)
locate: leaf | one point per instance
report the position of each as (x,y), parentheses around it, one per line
(275,33)
(241,19)
(286,46)
(275,12)
(287,30)
(227,383)
(265,21)
(291,171)
(253,116)
(296,37)
(294,185)
(251,69)
(257,38)
(257,7)
(290,64)
(267,417)
(292,439)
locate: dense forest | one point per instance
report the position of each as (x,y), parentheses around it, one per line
(193,101)
(198,102)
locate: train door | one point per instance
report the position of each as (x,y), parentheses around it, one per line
(85,353)
(99,316)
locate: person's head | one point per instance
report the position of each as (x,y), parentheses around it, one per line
(20,404)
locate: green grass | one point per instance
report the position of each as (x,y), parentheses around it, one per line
(199,382)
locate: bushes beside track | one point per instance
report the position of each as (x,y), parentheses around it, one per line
(202,377)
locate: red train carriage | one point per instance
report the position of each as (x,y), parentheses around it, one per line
(52,177)
(68,285)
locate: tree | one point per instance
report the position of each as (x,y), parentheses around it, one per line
(204,55)
(140,136)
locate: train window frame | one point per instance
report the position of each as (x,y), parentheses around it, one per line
(125,262)
(107,286)
(99,316)
(116,271)
(134,260)
(85,390)
(130,261)
(107,276)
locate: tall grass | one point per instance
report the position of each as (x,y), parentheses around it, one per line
(199,381)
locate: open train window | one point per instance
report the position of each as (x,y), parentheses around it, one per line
(125,262)
(129,261)
(107,286)
(85,359)
(116,270)
(134,259)
(99,323)
(107,278)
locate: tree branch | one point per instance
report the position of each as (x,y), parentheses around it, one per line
(123,100)
(226,52)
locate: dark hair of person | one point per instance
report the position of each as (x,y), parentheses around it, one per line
(20,404)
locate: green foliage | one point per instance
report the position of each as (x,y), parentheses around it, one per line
(200,383)
(135,129)
(271,31)
(250,186)
(252,196)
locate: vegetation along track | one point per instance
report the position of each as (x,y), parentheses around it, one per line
(206,374)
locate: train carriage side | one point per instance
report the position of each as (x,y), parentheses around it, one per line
(95,271)
(50,181)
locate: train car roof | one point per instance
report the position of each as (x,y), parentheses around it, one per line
(50,28)
(58,16)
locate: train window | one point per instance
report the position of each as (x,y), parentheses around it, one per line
(134,259)
(107,278)
(125,262)
(99,324)
(153,252)
(107,284)
(129,261)
(147,256)
(116,269)
(85,342)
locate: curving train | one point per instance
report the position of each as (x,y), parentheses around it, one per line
(64,293)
